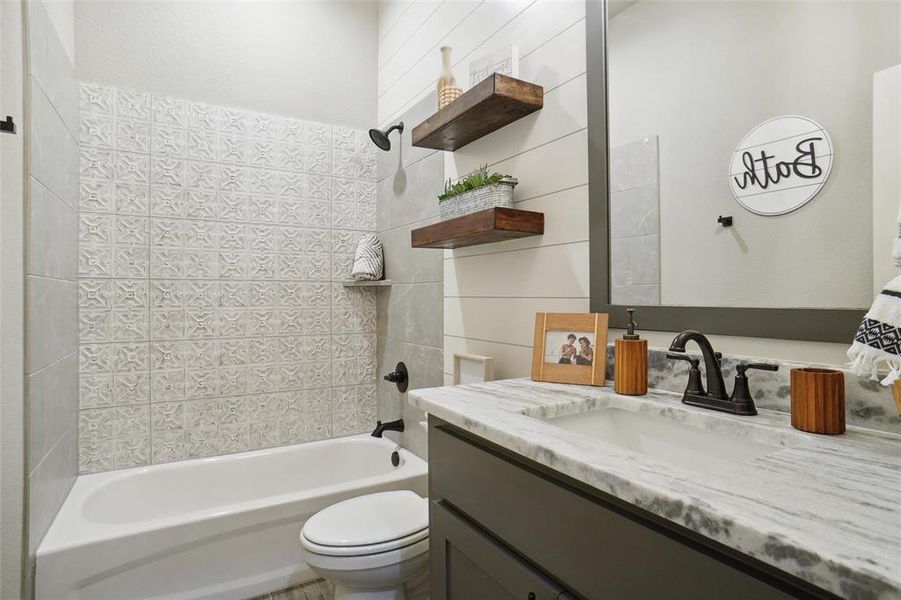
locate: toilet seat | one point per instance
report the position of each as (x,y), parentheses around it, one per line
(366,525)
(387,546)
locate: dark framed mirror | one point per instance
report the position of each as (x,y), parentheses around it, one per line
(677,93)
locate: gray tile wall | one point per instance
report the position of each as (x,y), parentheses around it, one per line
(411,311)
(212,243)
(51,273)
(635,223)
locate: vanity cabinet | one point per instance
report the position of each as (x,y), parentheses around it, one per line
(503,526)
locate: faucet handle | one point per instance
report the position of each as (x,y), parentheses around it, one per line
(741,393)
(694,387)
(742,367)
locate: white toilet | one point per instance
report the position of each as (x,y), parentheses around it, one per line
(372,547)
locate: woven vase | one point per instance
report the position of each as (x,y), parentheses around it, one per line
(448,95)
(448,90)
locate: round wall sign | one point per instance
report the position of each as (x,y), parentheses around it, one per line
(780,165)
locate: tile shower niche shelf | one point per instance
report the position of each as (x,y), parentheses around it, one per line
(491,104)
(366,283)
(483,227)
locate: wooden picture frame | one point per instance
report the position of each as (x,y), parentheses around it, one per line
(484,365)
(570,365)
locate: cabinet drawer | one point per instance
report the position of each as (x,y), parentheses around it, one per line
(596,548)
(468,564)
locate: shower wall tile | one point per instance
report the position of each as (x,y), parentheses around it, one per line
(408,264)
(411,311)
(50,326)
(635,223)
(413,191)
(52,234)
(51,334)
(212,242)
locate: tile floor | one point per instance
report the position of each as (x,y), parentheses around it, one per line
(318,589)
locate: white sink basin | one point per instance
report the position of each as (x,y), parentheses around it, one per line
(664,439)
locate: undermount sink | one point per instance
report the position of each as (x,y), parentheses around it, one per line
(664,439)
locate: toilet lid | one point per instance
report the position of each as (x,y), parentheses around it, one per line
(370,520)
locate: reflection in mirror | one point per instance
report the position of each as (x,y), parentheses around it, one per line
(694,92)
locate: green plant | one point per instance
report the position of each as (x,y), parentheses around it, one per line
(476,179)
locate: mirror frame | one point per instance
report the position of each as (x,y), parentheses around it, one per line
(804,324)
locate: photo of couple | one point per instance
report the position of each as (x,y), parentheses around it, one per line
(569,348)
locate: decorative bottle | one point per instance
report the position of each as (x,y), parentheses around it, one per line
(448,90)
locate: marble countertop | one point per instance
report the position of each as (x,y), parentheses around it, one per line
(824,508)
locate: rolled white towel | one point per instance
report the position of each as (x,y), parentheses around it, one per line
(369,261)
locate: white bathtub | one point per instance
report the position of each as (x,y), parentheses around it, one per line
(222,527)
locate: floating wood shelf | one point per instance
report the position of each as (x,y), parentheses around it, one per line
(367,283)
(493,103)
(483,227)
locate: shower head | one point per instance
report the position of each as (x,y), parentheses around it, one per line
(380,138)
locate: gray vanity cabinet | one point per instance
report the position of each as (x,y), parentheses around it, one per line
(505,527)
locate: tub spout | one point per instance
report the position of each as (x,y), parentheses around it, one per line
(389,426)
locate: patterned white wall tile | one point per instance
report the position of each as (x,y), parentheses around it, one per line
(212,241)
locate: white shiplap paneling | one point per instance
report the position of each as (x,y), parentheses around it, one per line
(493,291)
(528,24)
(462,316)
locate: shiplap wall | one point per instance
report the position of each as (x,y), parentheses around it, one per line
(491,292)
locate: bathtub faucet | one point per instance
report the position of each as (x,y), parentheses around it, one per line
(389,426)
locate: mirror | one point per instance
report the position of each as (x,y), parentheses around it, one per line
(749,160)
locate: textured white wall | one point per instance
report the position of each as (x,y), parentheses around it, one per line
(236,228)
(700,75)
(312,60)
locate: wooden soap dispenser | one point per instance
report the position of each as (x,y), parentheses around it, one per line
(630,370)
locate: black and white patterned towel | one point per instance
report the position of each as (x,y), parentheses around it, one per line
(369,260)
(877,343)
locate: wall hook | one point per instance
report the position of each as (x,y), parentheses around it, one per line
(724,221)
(8,126)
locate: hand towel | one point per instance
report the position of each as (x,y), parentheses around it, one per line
(369,260)
(878,339)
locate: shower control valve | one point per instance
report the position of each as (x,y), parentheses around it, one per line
(400,377)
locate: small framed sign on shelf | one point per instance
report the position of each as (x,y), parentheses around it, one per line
(570,348)
(504,61)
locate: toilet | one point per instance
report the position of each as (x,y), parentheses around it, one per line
(372,547)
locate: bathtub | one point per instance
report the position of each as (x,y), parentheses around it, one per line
(223,527)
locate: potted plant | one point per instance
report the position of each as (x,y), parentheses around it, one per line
(477,191)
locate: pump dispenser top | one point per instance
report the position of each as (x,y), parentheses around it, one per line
(630,326)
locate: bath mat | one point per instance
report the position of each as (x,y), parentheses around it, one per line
(318,589)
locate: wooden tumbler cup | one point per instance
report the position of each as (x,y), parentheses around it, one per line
(818,400)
